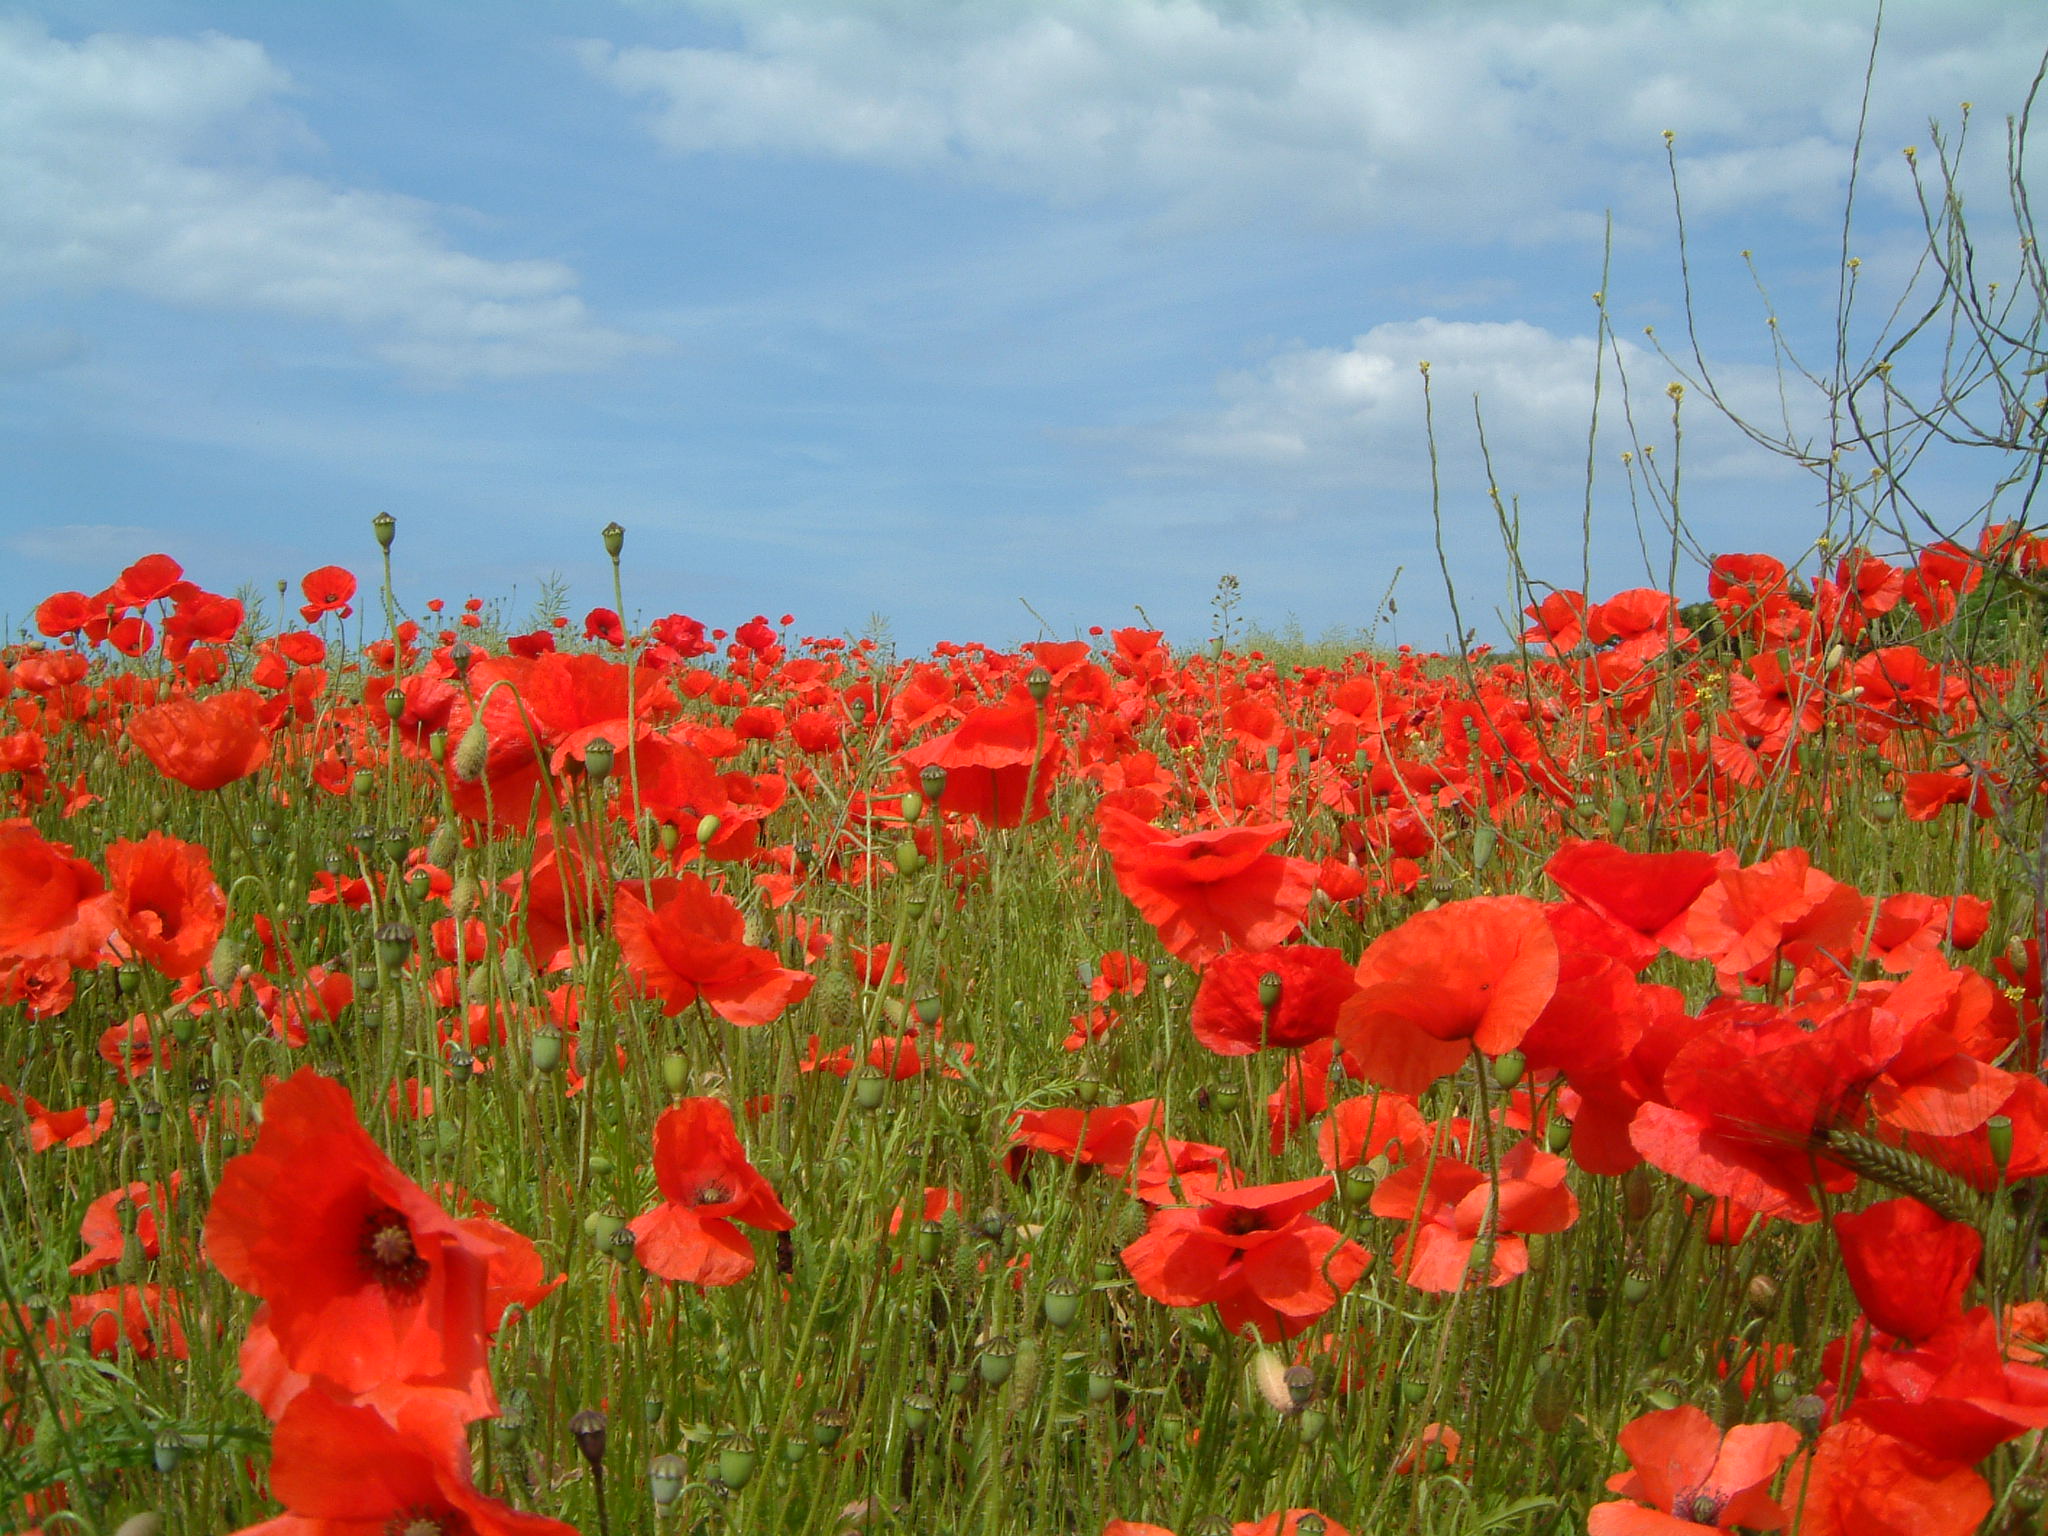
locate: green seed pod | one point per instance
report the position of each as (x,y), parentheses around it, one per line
(1998,1136)
(1884,806)
(1508,1068)
(933,780)
(1038,683)
(794,1451)
(918,1408)
(913,805)
(394,705)
(1557,1136)
(1062,1303)
(1413,1391)
(168,1453)
(998,1359)
(1101,1382)
(665,1478)
(1309,1428)
(385,527)
(598,757)
(737,1459)
(675,1071)
(546,1049)
(1270,986)
(614,538)
(905,857)
(1634,1287)
(827,1427)
(869,1088)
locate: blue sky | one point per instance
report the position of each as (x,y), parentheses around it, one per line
(922,307)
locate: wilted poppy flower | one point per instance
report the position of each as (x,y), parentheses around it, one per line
(1470,974)
(370,1284)
(1693,1477)
(205,743)
(167,908)
(1204,890)
(1254,1253)
(1285,997)
(693,944)
(707,1184)
(343,1470)
(52,906)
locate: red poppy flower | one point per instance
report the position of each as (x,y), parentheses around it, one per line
(707,1184)
(1859,1482)
(1452,1207)
(1693,1477)
(205,743)
(102,1231)
(144,1318)
(1642,894)
(52,906)
(993,759)
(328,590)
(1106,1135)
(1288,1523)
(693,944)
(343,1470)
(167,908)
(1204,890)
(1472,974)
(1908,1265)
(1254,1253)
(370,1284)
(1285,997)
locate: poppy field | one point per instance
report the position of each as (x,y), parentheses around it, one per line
(460,1081)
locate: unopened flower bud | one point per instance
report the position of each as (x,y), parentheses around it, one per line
(473,752)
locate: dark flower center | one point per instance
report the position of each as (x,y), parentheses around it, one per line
(1700,1508)
(392,1259)
(427,1522)
(1238,1221)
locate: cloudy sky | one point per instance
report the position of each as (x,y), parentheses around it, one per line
(928,309)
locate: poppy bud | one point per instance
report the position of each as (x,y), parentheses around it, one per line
(385,527)
(1038,683)
(707,827)
(546,1049)
(1309,1429)
(1638,1194)
(1484,841)
(669,836)
(473,752)
(598,756)
(1551,1403)
(913,805)
(736,1461)
(1062,1303)
(1762,1295)
(933,778)
(905,856)
(1508,1068)
(665,1478)
(1998,1136)
(588,1426)
(614,541)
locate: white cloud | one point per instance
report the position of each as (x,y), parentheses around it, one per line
(140,164)
(1475,119)
(1338,416)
